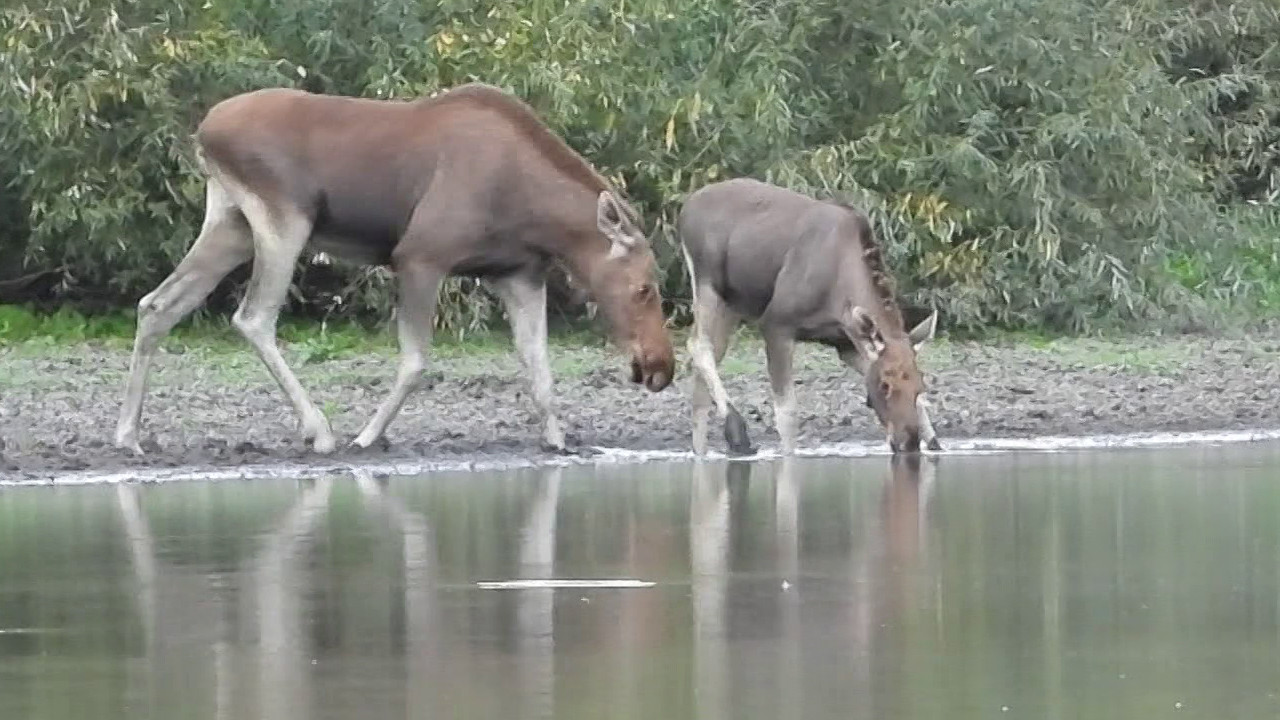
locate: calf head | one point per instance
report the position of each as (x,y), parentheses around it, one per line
(895,386)
(624,284)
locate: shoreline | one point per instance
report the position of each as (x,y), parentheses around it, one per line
(215,410)
(615,456)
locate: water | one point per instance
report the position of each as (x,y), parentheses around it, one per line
(1124,584)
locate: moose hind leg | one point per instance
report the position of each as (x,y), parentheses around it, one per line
(415,312)
(279,237)
(525,299)
(224,244)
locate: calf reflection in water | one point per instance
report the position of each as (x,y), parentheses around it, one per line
(812,585)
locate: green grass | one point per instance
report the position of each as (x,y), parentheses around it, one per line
(1161,359)
(314,348)
(313,341)
(317,351)
(210,338)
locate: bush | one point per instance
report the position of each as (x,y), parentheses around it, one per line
(1054,163)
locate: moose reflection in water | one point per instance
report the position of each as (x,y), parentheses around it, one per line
(269,673)
(796,587)
(274,629)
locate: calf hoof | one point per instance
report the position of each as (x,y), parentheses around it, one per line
(735,433)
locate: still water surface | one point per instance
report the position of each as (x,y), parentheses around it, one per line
(1132,584)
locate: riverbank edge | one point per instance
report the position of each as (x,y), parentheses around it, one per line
(213,407)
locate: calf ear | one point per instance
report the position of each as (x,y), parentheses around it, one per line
(612,223)
(862,330)
(923,333)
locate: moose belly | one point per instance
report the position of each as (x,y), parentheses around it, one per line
(352,249)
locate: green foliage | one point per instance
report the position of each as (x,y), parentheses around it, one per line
(1029,163)
(19,324)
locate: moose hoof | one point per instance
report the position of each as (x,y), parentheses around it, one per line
(569,450)
(323,444)
(128,442)
(735,433)
(933,445)
(380,443)
(554,449)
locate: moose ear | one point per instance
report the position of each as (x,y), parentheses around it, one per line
(865,334)
(611,221)
(923,333)
(608,212)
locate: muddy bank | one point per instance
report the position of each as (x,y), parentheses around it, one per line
(214,408)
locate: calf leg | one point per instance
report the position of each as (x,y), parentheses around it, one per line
(525,299)
(279,237)
(225,242)
(779,348)
(713,323)
(927,434)
(415,315)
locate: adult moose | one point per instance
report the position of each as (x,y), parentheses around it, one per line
(803,270)
(470,182)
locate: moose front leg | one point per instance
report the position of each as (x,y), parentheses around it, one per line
(779,349)
(525,299)
(419,286)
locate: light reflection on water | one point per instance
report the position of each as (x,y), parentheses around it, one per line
(1126,584)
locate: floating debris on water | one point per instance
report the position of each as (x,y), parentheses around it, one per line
(542,584)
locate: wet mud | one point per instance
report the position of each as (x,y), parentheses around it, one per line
(215,410)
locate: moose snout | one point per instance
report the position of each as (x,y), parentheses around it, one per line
(655,371)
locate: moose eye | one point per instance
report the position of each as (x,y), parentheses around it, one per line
(645,292)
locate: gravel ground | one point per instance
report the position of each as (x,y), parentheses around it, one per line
(217,407)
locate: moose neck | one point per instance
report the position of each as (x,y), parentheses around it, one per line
(875,295)
(588,262)
(574,238)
